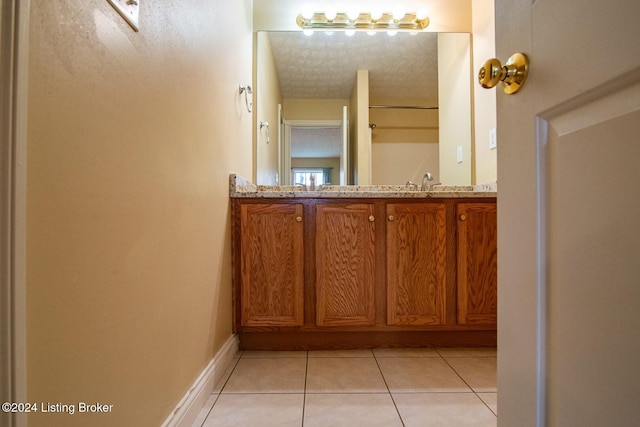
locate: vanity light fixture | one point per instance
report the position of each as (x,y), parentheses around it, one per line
(364,21)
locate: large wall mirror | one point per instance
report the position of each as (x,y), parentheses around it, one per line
(312,78)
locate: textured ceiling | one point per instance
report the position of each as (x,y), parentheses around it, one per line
(322,66)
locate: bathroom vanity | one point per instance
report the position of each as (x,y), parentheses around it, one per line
(363,266)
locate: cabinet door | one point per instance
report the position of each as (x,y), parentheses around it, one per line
(272,271)
(477,263)
(416,263)
(345,260)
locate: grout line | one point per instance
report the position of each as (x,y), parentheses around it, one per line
(486,404)
(304,390)
(459,376)
(468,385)
(388,389)
(226,381)
(219,393)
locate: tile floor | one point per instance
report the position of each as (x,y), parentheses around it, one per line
(379,387)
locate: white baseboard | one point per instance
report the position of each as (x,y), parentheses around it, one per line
(189,407)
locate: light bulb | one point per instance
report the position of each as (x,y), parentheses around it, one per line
(307,11)
(353,12)
(350,32)
(422,13)
(392,33)
(307,32)
(376,12)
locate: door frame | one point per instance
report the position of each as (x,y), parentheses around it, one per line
(14,42)
(285,159)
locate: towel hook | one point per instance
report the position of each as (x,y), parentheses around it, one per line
(265,124)
(247,91)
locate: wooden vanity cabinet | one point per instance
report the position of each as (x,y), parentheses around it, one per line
(271,255)
(345,262)
(416,263)
(477,263)
(349,273)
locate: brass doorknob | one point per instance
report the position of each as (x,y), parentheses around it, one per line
(463,217)
(372,218)
(299,218)
(512,75)
(392,218)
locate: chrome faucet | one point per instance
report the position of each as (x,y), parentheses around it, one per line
(411,185)
(426,178)
(312,184)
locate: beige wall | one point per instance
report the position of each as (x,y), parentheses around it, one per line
(267,96)
(399,162)
(404,125)
(359,132)
(131,137)
(404,143)
(454,95)
(484,101)
(313,109)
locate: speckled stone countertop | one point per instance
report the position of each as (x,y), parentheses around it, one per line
(241,188)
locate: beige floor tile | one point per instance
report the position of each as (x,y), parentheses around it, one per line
(468,352)
(346,387)
(412,375)
(405,352)
(350,410)
(344,375)
(444,409)
(278,375)
(341,353)
(479,372)
(259,410)
(225,377)
(261,354)
(491,399)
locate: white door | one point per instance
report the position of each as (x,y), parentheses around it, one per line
(569,215)
(279,175)
(345,146)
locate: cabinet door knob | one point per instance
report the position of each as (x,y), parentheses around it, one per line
(372,218)
(392,218)
(299,218)
(463,217)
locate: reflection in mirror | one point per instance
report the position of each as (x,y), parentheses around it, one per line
(317,151)
(313,77)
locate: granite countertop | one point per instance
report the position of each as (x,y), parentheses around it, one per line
(241,188)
